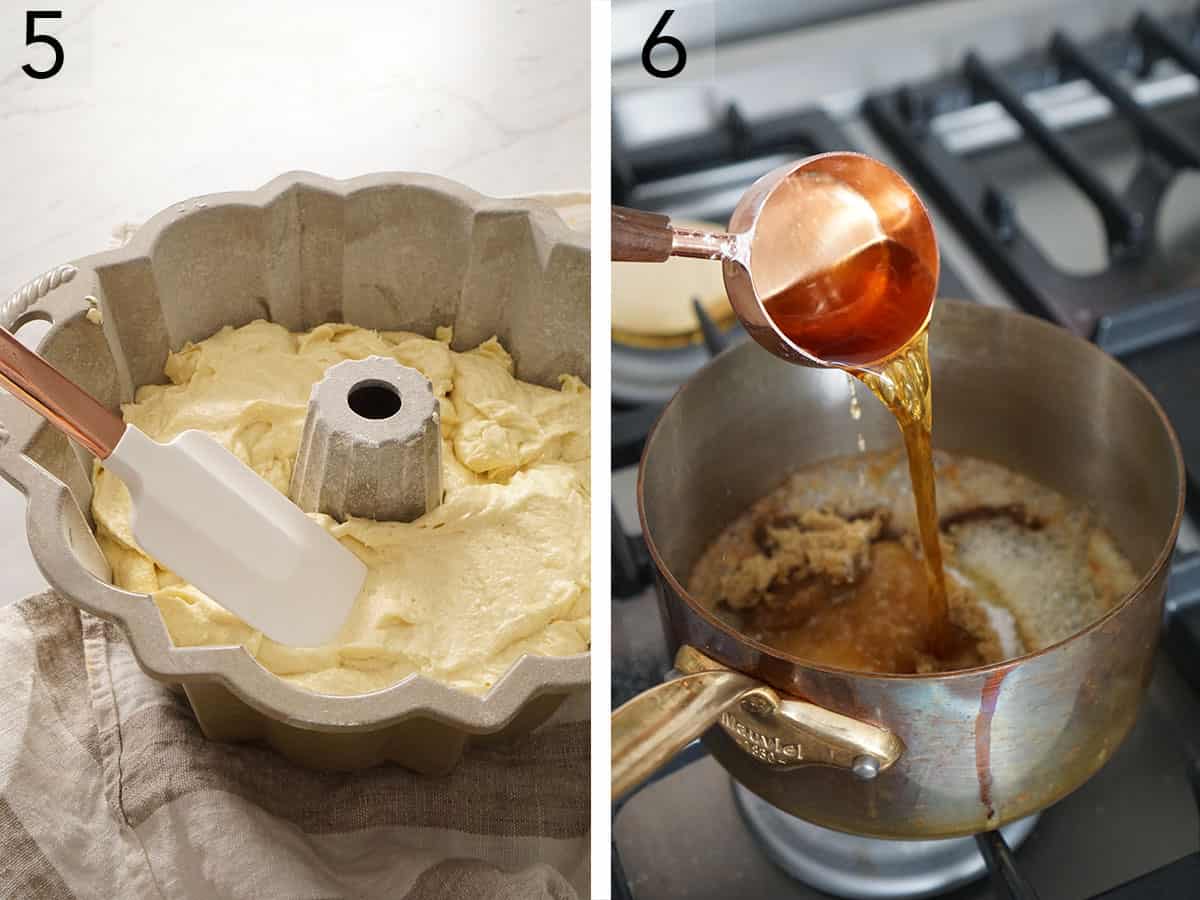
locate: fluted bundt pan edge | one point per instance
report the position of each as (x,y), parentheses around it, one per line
(395,251)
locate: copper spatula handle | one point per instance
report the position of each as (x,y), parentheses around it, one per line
(57,399)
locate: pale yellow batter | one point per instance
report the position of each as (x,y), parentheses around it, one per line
(500,569)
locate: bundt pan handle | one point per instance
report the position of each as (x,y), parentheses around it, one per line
(17,422)
(395,250)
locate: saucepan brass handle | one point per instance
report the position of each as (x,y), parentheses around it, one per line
(781,733)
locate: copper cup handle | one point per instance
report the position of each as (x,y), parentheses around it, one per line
(779,732)
(640,236)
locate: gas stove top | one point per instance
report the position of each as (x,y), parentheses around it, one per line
(1059,149)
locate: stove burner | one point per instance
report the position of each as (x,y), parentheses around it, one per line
(862,868)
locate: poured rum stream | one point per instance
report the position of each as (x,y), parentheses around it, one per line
(850,315)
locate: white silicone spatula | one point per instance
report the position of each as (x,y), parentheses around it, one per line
(203,514)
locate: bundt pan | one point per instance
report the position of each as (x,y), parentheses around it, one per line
(390,251)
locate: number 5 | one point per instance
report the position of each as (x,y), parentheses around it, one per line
(31,38)
(656,38)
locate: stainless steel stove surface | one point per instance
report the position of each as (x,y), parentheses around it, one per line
(1092,221)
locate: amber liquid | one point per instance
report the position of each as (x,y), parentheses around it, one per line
(903,384)
(861,310)
(853,314)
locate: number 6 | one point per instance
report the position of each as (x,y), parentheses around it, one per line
(656,38)
(31,38)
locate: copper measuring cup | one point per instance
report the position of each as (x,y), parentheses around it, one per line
(797,224)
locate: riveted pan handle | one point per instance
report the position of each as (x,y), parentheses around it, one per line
(654,726)
(780,733)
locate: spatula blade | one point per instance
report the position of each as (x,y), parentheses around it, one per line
(215,523)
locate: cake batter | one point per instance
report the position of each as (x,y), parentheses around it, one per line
(499,570)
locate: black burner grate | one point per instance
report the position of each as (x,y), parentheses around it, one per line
(1142,297)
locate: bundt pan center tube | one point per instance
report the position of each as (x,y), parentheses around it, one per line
(371,446)
(907,756)
(389,251)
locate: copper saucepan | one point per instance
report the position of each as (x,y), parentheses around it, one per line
(918,756)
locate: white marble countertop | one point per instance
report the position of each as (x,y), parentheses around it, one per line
(159,101)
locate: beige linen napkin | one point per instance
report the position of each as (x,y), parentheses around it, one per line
(108,789)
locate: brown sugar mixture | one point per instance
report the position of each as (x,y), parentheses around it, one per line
(828,567)
(850,315)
